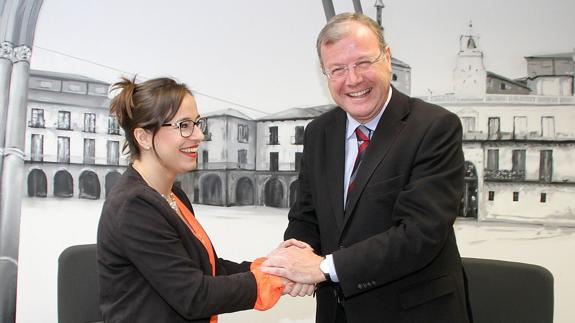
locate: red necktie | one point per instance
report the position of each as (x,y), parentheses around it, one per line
(362,133)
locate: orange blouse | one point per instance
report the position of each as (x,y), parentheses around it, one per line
(269,287)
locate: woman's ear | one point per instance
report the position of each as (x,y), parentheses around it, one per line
(144,138)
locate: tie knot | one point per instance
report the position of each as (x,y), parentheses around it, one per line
(362,133)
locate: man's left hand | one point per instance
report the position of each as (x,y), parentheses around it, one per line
(300,265)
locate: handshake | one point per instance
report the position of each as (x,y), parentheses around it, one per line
(296,262)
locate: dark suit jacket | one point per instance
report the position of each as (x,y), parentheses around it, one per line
(153,269)
(394,247)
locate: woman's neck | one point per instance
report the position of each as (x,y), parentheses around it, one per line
(155,175)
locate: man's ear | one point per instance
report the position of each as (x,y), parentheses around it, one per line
(144,138)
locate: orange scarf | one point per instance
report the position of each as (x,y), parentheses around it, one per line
(269,287)
(201,235)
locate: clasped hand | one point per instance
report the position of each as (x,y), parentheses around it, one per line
(296,262)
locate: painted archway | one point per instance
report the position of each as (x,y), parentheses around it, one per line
(274,193)
(111,179)
(63,184)
(245,193)
(89,185)
(469,200)
(37,183)
(211,190)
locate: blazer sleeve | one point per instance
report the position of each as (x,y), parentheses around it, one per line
(423,212)
(152,244)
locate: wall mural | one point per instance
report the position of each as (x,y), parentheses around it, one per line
(518,133)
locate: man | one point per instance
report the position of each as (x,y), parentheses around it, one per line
(386,226)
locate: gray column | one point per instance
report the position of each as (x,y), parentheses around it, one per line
(328,9)
(12,181)
(357,6)
(17,26)
(6,55)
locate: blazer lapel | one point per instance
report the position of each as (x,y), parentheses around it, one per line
(388,128)
(335,163)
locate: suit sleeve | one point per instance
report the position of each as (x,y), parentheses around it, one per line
(423,213)
(156,250)
(227,267)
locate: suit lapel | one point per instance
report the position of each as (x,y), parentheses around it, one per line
(388,128)
(335,163)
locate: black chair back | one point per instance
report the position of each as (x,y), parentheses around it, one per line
(503,291)
(78,291)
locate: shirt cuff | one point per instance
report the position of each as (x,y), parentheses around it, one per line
(331,268)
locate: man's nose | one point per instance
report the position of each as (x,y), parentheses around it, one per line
(352,76)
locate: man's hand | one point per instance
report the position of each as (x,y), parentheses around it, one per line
(294,242)
(298,264)
(293,288)
(298,289)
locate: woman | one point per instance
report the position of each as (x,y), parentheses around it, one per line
(156,263)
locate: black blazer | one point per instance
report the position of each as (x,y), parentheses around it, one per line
(394,247)
(153,269)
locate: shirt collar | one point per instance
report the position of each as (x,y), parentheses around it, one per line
(371,124)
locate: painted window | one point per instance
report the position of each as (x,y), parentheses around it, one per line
(89,122)
(37,147)
(64,120)
(89,151)
(520,127)
(113,126)
(546,166)
(273,139)
(113,152)
(243,133)
(468,124)
(518,163)
(63,149)
(494,128)
(547,127)
(493,159)
(274,161)
(242,156)
(37,118)
(298,137)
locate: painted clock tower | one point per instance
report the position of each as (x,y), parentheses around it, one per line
(469,75)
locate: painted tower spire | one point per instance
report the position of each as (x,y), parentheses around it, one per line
(469,75)
(379,7)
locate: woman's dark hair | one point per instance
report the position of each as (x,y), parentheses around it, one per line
(145,105)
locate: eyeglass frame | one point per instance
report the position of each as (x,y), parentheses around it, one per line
(346,68)
(201,123)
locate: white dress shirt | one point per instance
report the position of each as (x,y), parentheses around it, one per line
(351,149)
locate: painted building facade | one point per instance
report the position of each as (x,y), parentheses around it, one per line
(551,74)
(250,162)
(518,150)
(519,147)
(72,144)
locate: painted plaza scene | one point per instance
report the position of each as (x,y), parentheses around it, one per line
(259,87)
(518,141)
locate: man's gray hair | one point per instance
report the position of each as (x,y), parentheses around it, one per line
(338,27)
